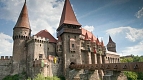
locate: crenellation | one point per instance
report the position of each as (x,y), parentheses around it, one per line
(38,39)
(21,37)
(5,57)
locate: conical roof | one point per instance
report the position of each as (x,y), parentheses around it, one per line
(92,39)
(97,42)
(86,36)
(110,39)
(23,20)
(68,16)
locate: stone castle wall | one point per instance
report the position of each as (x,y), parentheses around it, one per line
(5,66)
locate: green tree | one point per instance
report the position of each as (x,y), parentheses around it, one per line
(41,77)
(133,75)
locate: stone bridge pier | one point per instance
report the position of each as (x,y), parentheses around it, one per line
(114,75)
(93,75)
(83,74)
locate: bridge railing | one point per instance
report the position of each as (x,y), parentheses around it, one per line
(133,66)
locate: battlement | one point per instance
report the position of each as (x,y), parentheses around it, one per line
(5,57)
(38,39)
(20,37)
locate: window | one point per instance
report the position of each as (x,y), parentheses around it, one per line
(82,44)
(60,49)
(72,45)
(40,56)
(68,36)
(88,46)
(75,37)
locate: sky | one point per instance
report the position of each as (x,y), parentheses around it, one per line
(121,19)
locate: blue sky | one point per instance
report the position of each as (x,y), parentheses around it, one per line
(122,19)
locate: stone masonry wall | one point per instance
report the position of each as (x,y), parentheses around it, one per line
(5,66)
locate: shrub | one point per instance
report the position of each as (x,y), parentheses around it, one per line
(41,77)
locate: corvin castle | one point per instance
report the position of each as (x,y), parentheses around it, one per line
(42,53)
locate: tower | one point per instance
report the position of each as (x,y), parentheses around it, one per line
(69,31)
(21,33)
(111,46)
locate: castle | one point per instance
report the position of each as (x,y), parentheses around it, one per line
(42,53)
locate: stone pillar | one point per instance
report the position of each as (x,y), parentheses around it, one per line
(99,61)
(93,75)
(89,58)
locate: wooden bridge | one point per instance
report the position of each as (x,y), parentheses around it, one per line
(132,66)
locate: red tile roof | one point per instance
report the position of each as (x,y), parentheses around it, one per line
(90,35)
(46,34)
(23,20)
(68,16)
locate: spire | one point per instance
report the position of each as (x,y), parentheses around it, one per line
(97,41)
(102,43)
(110,39)
(68,16)
(92,39)
(23,20)
(86,36)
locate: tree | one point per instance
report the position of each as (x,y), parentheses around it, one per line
(133,75)
(41,77)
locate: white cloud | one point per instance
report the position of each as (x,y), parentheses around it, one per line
(135,50)
(43,14)
(6,45)
(132,34)
(139,14)
(89,28)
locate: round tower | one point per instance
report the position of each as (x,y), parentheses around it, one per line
(21,33)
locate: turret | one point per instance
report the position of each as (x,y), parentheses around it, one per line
(69,31)
(21,33)
(111,46)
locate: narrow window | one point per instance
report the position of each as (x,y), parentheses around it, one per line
(75,37)
(72,45)
(68,36)
(40,56)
